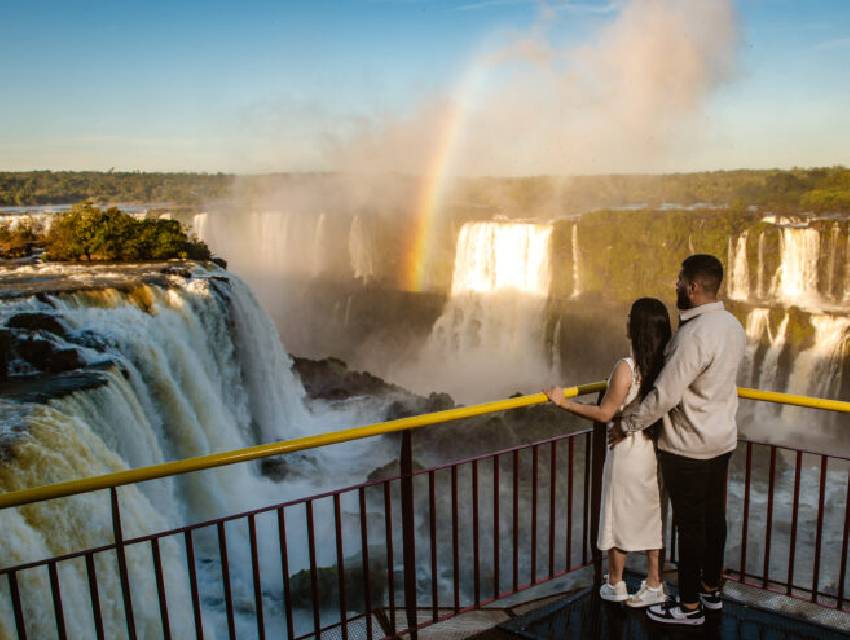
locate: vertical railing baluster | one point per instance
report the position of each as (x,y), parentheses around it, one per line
(534,469)
(94,598)
(55,590)
(553,465)
(496,527)
(600,445)
(432,535)
(568,552)
(364,553)
(193,584)
(314,578)
(771,481)
(388,532)
(15,593)
(284,570)
(340,567)
(585,532)
(746,516)
(455,543)
(819,533)
(476,560)
(122,563)
(795,511)
(515,514)
(160,589)
(225,580)
(843,568)
(408,532)
(258,585)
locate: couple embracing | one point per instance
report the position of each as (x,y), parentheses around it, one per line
(672,405)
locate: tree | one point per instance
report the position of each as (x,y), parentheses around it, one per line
(89,232)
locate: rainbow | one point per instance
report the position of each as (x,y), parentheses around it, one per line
(433,183)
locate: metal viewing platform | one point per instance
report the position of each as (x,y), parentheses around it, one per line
(415,554)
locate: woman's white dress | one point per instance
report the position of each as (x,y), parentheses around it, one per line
(630,517)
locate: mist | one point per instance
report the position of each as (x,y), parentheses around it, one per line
(628,100)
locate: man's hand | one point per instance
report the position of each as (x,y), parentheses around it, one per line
(616,434)
(555,394)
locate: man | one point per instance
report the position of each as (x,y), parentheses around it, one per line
(696,396)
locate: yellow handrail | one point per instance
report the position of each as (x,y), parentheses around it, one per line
(141,474)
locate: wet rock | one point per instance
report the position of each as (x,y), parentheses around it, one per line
(221,262)
(37,322)
(5,354)
(390,470)
(416,405)
(43,388)
(331,379)
(290,467)
(182,272)
(327,580)
(47,356)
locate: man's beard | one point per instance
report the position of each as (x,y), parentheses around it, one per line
(682,301)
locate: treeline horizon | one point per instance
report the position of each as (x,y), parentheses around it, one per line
(817,189)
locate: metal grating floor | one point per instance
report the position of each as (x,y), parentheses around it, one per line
(584,615)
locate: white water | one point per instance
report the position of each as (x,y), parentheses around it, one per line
(360,251)
(576,263)
(847,270)
(797,276)
(489,340)
(817,371)
(760,281)
(200,374)
(739,275)
(834,235)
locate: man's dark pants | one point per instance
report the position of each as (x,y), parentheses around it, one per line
(697,490)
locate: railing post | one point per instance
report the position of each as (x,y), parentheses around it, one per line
(408,531)
(122,563)
(599,444)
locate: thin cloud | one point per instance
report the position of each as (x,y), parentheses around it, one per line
(565,6)
(834,43)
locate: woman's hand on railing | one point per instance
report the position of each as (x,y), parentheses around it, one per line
(556,395)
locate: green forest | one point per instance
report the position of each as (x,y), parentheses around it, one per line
(55,187)
(818,190)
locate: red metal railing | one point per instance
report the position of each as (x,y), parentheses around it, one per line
(471,532)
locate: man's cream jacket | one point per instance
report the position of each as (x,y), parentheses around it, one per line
(696,391)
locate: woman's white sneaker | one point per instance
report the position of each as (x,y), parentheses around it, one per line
(614,593)
(647,596)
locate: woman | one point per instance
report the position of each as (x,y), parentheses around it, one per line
(630,518)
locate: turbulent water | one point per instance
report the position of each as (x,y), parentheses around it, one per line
(494,318)
(188,369)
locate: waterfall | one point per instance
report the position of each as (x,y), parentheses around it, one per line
(319,248)
(817,371)
(797,276)
(847,269)
(834,236)
(576,261)
(757,328)
(760,281)
(196,368)
(739,276)
(200,226)
(360,251)
(489,340)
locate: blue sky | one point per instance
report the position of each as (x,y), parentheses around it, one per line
(261,86)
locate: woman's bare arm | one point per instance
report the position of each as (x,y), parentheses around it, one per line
(621,381)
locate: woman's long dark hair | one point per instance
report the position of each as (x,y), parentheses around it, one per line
(649,333)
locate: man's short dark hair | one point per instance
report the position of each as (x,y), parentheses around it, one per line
(705,269)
